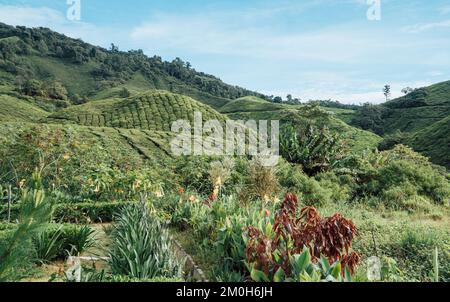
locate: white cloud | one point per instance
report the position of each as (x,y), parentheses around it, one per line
(57,21)
(29,16)
(418,28)
(213,34)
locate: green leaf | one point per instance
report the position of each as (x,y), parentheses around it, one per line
(279,275)
(348,276)
(336,270)
(301,262)
(325,264)
(258,276)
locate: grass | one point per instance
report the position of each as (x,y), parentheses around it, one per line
(19,110)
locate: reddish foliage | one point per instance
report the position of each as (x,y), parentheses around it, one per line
(211,198)
(330,236)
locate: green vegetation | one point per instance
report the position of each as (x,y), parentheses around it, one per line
(421,116)
(142,246)
(151,111)
(92,128)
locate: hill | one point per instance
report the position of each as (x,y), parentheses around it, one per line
(434,142)
(419,119)
(357,139)
(250,104)
(154,110)
(87,71)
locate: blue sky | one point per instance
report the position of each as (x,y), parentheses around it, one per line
(312,49)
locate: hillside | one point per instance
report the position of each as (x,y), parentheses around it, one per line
(87,71)
(422,117)
(249,104)
(19,110)
(434,141)
(155,110)
(357,139)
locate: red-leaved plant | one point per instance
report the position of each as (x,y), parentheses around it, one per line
(295,229)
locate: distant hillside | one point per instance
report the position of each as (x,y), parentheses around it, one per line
(357,139)
(434,141)
(87,71)
(250,103)
(155,110)
(422,115)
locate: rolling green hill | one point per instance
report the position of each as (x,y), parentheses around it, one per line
(434,141)
(422,115)
(250,104)
(154,110)
(92,72)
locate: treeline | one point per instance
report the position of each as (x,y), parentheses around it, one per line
(111,64)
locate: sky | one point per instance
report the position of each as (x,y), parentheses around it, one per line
(344,50)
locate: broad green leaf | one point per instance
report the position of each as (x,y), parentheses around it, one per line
(279,275)
(258,276)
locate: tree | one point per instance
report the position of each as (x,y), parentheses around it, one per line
(124,93)
(387,92)
(33,88)
(407,90)
(114,48)
(57,91)
(277,99)
(289,98)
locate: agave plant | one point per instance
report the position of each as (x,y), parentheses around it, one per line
(80,239)
(142,246)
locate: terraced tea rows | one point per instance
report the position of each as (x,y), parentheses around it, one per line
(154,110)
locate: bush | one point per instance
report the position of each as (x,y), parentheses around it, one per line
(142,246)
(88,212)
(312,193)
(272,247)
(60,241)
(315,149)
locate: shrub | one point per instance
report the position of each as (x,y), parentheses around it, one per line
(263,181)
(193,172)
(60,241)
(272,247)
(293,179)
(87,212)
(142,246)
(313,148)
